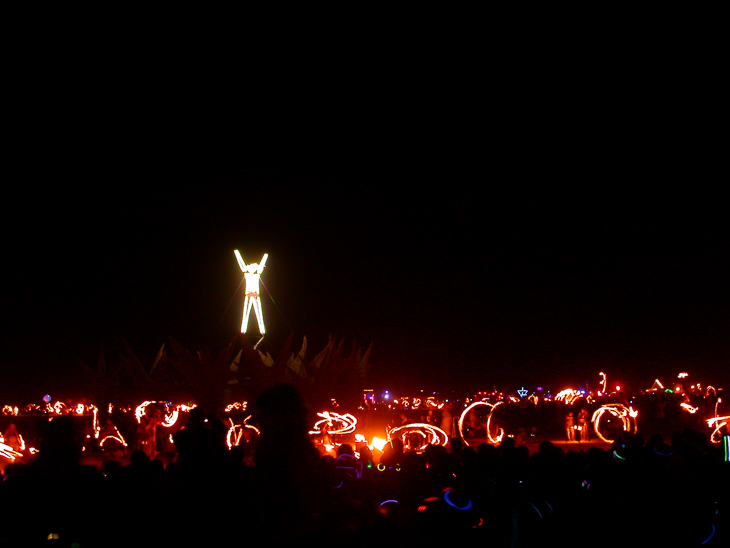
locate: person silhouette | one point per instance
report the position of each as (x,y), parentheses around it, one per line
(570,426)
(584,425)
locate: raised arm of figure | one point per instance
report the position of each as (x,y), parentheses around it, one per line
(241,263)
(263,263)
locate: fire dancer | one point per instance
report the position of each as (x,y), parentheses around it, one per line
(13,438)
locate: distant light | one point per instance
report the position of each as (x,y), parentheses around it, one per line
(47,398)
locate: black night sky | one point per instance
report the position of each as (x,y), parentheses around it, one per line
(478,228)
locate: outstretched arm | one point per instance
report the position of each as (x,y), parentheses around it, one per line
(262,264)
(240,261)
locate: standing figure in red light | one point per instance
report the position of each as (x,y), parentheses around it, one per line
(570,426)
(252,274)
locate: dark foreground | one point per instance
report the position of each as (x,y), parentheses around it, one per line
(639,492)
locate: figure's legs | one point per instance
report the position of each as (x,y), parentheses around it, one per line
(259,314)
(246,312)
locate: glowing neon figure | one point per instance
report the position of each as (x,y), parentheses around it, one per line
(252,274)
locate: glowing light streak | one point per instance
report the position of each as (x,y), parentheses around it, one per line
(717,423)
(447,498)
(235,432)
(603,382)
(8,452)
(390,500)
(432,435)
(140,411)
(170,418)
(687,407)
(335,423)
(492,439)
(627,416)
(712,534)
(116,436)
(568,395)
(58,408)
(240,406)
(171,414)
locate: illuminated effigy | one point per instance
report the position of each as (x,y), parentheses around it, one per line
(626,415)
(427,433)
(252,275)
(492,439)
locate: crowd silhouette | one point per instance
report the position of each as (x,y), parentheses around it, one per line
(280,489)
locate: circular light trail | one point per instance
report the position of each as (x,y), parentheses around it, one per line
(626,415)
(492,439)
(432,435)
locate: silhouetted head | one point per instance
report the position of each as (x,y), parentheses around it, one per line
(282,407)
(196,416)
(345,449)
(366,454)
(60,439)
(139,459)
